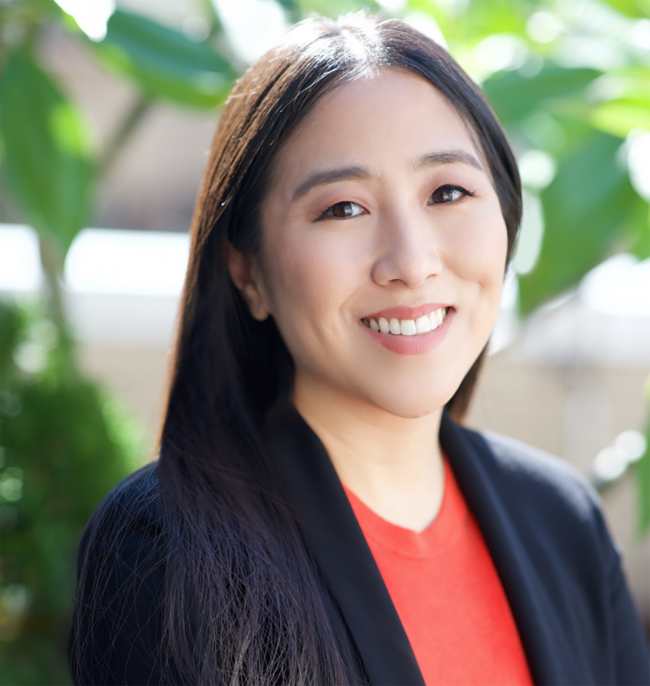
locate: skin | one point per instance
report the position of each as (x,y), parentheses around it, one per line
(411,237)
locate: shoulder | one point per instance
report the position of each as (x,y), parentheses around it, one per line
(123,544)
(530,473)
(545,500)
(137,493)
(117,621)
(550,516)
(536,471)
(131,508)
(125,533)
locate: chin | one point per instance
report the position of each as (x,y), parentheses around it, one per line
(413,410)
(414,405)
(415,395)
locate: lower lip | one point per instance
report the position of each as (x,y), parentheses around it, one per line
(413,345)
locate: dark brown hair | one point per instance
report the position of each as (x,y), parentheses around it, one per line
(244,601)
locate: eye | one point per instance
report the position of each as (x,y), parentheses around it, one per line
(343,210)
(448,194)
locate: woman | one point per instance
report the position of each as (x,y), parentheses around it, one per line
(304,524)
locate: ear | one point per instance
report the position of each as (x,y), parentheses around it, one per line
(245,274)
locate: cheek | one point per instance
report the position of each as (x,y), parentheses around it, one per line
(477,253)
(309,278)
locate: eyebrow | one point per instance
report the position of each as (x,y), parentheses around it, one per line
(323,178)
(432,159)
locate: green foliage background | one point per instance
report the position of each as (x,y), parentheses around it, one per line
(63,442)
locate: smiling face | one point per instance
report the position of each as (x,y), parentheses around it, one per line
(383,247)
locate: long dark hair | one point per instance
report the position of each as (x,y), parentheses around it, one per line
(244,601)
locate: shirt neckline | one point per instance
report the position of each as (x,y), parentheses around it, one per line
(452,520)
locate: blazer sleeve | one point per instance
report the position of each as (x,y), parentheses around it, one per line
(592,631)
(630,641)
(117,623)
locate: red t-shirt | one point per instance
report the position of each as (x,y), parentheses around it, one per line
(448,595)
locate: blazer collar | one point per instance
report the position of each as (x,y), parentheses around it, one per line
(495,503)
(340,549)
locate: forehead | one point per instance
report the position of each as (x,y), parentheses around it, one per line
(384,120)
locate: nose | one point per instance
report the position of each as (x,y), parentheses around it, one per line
(408,250)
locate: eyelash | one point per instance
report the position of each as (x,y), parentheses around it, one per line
(464,193)
(325,214)
(447,187)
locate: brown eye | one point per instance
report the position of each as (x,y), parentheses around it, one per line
(343,210)
(447,194)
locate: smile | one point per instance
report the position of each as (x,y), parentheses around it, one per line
(407,327)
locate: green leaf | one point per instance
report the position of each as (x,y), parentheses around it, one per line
(586,210)
(485,18)
(288,5)
(642,474)
(630,109)
(631,8)
(638,231)
(165,63)
(46,152)
(514,96)
(619,118)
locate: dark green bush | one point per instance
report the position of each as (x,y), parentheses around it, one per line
(64,444)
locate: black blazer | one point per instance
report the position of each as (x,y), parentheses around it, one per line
(541,522)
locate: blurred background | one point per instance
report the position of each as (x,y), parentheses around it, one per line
(107,114)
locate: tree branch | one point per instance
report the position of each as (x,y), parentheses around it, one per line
(124,131)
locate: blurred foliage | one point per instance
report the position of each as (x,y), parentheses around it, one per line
(43,132)
(64,444)
(580,197)
(569,79)
(165,63)
(642,468)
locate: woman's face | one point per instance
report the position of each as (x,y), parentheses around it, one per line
(383,247)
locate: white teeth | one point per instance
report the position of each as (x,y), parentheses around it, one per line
(423,325)
(437,317)
(409,327)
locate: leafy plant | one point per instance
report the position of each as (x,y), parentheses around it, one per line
(64,443)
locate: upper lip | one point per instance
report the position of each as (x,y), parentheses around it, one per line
(403,312)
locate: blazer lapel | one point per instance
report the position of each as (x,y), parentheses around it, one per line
(339,546)
(340,549)
(549,656)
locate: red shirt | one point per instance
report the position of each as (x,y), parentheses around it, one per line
(448,595)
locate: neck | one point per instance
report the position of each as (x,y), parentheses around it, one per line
(392,464)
